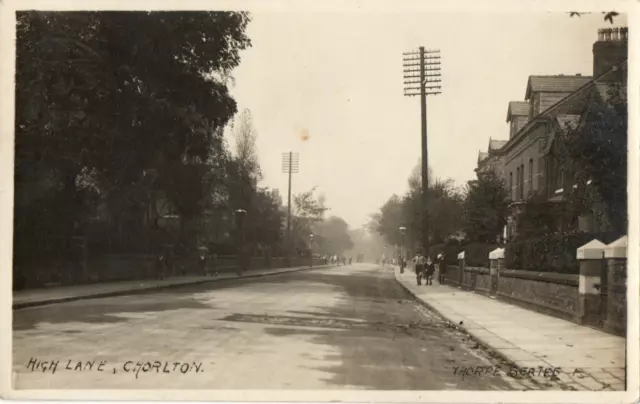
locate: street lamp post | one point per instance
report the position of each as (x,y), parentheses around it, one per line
(311,249)
(402,230)
(240,214)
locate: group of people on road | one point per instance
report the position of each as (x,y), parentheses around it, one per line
(425,267)
(336,260)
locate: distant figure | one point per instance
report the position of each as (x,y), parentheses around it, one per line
(419,265)
(350,260)
(442,267)
(202,260)
(161,265)
(431,267)
(214,264)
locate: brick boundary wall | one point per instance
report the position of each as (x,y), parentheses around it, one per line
(545,292)
(126,267)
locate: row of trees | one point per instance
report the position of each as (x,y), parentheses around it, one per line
(476,213)
(120,138)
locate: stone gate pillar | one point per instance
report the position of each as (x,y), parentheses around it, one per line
(591,257)
(496,259)
(461,265)
(615,255)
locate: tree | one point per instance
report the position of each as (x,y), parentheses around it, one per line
(444,210)
(388,221)
(332,236)
(246,149)
(307,211)
(608,15)
(597,152)
(104,97)
(485,208)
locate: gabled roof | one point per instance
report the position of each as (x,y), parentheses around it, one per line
(555,84)
(496,144)
(482,155)
(580,93)
(568,121)
(517,108)
(565,122)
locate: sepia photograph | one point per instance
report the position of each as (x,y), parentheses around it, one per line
(257,200)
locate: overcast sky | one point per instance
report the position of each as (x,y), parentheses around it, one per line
(338,78)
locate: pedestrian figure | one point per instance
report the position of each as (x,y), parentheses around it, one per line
(430,267)
(350,260)
(161,265)
(419,265)
(202,259)
(214,264)
(442,267)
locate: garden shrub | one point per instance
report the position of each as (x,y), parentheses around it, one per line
(551,252)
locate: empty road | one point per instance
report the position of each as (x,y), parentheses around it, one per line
(350,327)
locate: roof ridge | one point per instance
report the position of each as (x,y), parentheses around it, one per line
(561,75)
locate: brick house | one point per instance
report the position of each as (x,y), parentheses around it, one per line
(553,105)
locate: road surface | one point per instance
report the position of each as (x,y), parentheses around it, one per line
(350,327)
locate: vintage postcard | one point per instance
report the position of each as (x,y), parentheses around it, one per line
(341,201)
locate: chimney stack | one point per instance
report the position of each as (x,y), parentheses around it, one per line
(610,49)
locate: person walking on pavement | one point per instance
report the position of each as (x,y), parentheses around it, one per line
(214,264)
(430,267)
(419,263)
(161,265)
(442,267)
(203,253)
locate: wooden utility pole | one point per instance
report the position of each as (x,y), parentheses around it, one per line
(422,68)
(290,166)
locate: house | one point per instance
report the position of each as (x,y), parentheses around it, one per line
(491,160)
(554,105)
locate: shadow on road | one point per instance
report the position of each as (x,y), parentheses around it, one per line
(100,311)
(387,344)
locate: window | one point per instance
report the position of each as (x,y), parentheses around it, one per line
(531,187)
(522,181)
(517,194)
(511,185)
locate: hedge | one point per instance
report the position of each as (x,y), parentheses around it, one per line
(450,249)
(552,252)
(477,254)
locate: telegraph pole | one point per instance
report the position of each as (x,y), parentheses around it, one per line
(290,166)
(422,77)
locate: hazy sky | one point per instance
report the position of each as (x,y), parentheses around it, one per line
(338,77)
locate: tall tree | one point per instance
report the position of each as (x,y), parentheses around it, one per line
(485,208)
(597,153)
(308,210)
(104,97)
(332,236)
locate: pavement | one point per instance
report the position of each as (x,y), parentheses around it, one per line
(59,294)
(589,359)
(347,328)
